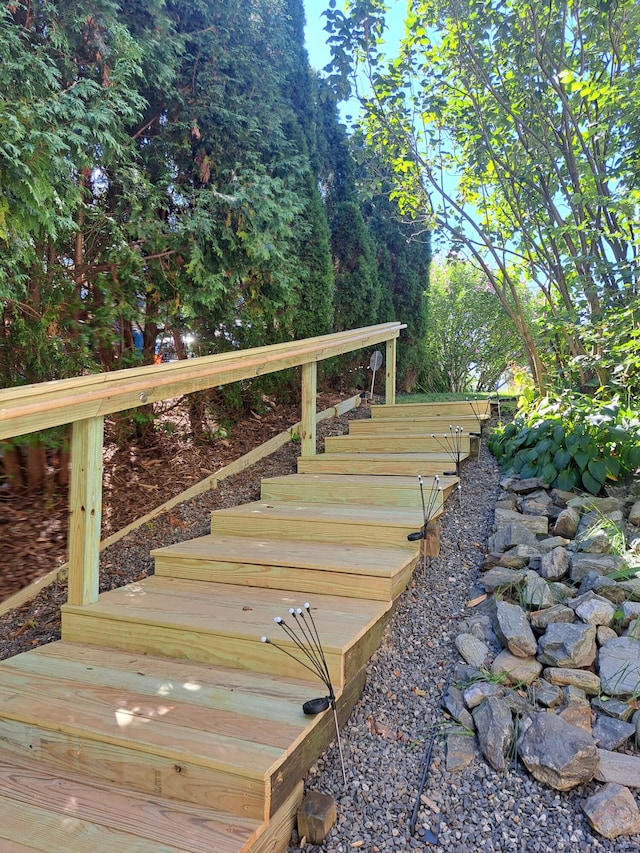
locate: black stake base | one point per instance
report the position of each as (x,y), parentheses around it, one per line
(316,706)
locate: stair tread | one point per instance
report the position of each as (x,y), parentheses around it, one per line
(324,512)
(356,559)
(229,610)
(38,803)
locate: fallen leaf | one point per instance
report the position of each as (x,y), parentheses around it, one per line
(381,729)
(419,692)
(396,672)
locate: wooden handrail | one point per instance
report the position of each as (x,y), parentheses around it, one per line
(85,401)
(30,408)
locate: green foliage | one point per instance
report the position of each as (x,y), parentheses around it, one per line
(470,339)
(571,443)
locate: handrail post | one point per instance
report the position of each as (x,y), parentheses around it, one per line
(85,510)
(308,418)
(390,384)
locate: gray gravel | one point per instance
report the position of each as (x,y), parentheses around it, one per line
(387,735)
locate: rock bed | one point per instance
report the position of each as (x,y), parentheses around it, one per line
(466,805)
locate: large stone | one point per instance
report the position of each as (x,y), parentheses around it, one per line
(631,588)
(588,503)
(613,708)
(563,645)
(530,484)
(513,629)
(546,694)
(516,670)
(602,564)
(634,514)
(453,703)
(596,610)
(555,564)
(612,811)
(535,504)
(473,650)
(510,533)
(567,523)
(541,619)
(578,715)
(518,557)
(604,635)
(461,751)
(611,734)
(630,612)
(494,727)
(581,679)
(535,524)
(536,594)
(619,666)
(618,767)
(546,545)
(561,497)
(480,691)
(555,752)
(604,586)
(502,578)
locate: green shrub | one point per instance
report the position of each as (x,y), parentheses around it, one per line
(570,442)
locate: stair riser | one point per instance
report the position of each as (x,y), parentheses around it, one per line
(420,410)
(411,426)
(449,448)
(351,464)
(246,653)
(407,497)
(349,533)
(161,775)
(311,581)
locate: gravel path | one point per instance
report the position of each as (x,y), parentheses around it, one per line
(387,735)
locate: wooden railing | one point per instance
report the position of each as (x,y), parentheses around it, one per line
(85,401)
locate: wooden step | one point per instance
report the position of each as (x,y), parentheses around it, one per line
(348,524)
(369,489)
(478,408)
(451,445)
(411,426)
(407,464)
(222,625)
(39,804)
(231,742)
(308,567)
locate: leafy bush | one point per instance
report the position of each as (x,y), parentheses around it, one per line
(571,443)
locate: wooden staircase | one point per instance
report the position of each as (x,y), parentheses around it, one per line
(161,721)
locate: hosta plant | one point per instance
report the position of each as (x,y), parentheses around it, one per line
(571,443)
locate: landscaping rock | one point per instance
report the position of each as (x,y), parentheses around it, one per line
(606,587)
(473,650)
(555,564)
(630,612)
(618,767)
(613,708)
(631,588)
(567,523)
(453,703)
(582,679)
(518,557)
(612,811)
(513,630)
(546,694)
(502,578)
(536,594)
(612,734)
(479,692)
(603,564)
(563,645)
(604,634)
(461,751)
(571,693)
(546,545)
(494,726)
(560,497)
(619,666)
(541,619)
(535,524)
(530,484)
(510,533)
(596,610)
(634,514)
(516,669)
(555,752)
(577,714)
(588,503)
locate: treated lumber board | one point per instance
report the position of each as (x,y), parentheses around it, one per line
(411,426)
(407,464)
(400,443)
(216,623)
(338,523)
(367,489)
(71,813)
(276,834)
(479,408)
(31,408)
(311,567)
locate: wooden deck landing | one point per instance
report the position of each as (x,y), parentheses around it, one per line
(161,722)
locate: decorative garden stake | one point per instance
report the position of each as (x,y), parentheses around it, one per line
(374,363)
(452,445)
(476,411)
(306,638)
(428,511)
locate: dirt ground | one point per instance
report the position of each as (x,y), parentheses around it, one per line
(137,478)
